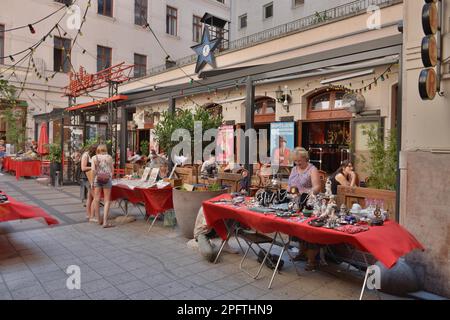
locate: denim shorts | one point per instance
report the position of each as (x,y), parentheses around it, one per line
(107,185)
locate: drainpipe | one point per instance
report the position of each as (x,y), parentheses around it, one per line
(399,127)
(249,121)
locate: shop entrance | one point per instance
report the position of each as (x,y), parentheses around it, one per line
(328,143)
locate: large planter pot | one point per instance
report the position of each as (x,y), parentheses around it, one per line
(187,204)
(55,167)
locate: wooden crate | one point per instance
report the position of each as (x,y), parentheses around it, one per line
(351,195)
(187,174)
(230,179)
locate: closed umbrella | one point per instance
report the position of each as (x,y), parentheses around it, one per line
(43,140)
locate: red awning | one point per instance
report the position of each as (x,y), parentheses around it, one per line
(97,102)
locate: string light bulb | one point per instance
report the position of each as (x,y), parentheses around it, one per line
(32,30)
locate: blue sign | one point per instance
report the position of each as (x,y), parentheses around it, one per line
(282,142)
(205,51)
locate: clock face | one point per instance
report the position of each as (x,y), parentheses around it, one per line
(206,50)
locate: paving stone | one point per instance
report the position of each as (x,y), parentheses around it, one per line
(96,285)
(107,294)
(27,293)
(149,294)
(171,288)
(133,287)
(66,294)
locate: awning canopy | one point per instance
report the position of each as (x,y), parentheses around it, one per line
(97,103)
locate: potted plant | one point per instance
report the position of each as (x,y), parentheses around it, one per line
(382,163)
(188,202)
(145,148)
(54,156)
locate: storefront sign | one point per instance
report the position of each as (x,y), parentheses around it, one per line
(282,142)
(225,144)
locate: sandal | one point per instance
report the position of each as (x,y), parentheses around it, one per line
(106,226)
(93,220)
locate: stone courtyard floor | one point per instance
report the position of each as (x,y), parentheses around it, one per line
(127,262)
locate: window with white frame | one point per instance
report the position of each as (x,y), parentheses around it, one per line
(268,11)
(243,21)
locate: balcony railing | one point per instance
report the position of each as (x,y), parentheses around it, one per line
(312,21)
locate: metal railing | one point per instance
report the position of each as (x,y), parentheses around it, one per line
(312,21)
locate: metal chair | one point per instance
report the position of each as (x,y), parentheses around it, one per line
(254,238)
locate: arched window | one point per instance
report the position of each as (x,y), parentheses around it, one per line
(214,109)
(265,109)
(327,104)
(264,106)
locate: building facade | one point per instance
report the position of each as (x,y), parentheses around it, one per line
(424,160)
(389,83)
(113,32)
(253,16)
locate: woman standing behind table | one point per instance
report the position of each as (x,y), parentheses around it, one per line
(305,177)
(86,166)
(344,176)
(103,168)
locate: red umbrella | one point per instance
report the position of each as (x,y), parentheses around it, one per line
(43,140)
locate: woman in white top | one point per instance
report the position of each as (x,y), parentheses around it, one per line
(103,168)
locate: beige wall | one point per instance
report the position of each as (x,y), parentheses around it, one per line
(338,34)
(425,183)
(118,32)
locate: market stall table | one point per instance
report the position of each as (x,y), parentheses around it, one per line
(23,168)
(15,210)
(386,243)
(156,201)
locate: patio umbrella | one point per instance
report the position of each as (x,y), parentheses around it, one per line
(43,140)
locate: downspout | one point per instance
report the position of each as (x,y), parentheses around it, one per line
(399,128)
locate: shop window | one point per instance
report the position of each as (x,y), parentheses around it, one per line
(327,105)
(264,106)
(265,109)
(214,109)
(327,101)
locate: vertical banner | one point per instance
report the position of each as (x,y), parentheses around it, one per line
(225,144)
(282,142)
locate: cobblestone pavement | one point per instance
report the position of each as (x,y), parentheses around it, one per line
(127,262)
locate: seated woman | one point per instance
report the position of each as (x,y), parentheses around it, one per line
(344,176)
(305,177)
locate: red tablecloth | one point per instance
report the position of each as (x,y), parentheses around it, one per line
(7,164)
(14,210)
(155,200)
(30,168)
(387,243)
(27,168)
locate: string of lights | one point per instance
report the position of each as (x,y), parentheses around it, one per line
(30,26)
